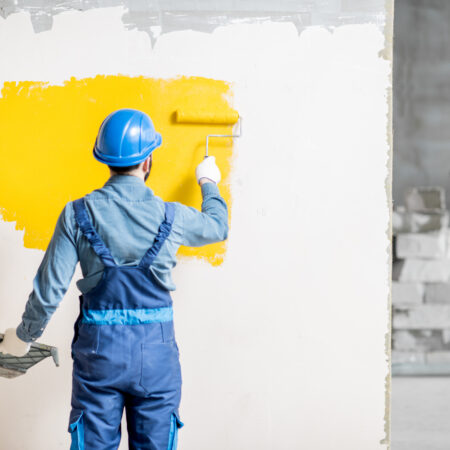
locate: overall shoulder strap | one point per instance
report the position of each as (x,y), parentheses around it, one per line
(83,221)
(163,233)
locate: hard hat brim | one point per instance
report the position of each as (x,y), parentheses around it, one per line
(127,161)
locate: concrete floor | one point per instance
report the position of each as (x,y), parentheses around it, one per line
(420,411)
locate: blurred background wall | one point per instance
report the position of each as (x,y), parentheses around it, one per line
(421,95)
(421,286)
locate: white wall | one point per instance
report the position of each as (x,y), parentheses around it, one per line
(283,346)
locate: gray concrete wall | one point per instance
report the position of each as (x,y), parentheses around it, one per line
(421,95)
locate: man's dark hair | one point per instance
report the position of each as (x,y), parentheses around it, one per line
(124,169)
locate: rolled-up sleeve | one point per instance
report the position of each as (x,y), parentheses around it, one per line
(211,224)
(52,279)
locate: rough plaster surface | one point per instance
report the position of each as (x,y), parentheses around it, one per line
(155,16)
(283,345)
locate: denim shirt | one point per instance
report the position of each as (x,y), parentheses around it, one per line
(127,216)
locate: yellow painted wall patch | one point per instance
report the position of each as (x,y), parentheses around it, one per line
(47,134)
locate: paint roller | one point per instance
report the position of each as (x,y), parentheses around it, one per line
(14,366)
(203,117)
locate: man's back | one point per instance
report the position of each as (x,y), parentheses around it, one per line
(127,215)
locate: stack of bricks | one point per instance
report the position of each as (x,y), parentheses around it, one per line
(421,284)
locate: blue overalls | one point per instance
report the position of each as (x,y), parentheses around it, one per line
(124,353)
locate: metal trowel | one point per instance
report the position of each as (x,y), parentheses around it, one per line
(14,366)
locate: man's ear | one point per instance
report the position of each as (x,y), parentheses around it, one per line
(146,164)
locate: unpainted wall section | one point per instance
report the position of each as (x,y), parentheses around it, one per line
(286,328)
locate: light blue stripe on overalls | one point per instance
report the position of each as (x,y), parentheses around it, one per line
(77,432)
(127,316)
(175,423)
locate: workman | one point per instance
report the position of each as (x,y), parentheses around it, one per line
(124,349)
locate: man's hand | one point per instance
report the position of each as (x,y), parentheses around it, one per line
(12,345)
(207,170)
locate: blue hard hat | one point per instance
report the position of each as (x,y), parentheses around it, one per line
(125,138)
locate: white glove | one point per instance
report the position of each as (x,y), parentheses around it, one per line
(12,345)
(208,169)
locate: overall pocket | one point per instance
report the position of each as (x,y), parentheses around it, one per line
(160,367)
(76,429)
(86,340)
(175,424)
